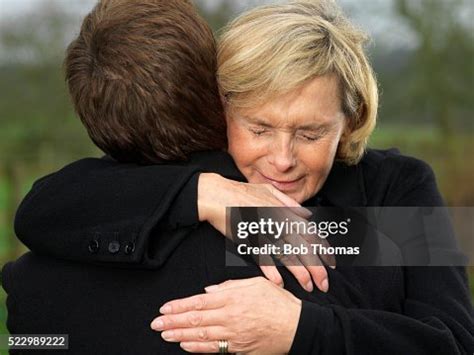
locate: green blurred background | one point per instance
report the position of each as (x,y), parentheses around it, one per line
(422,51)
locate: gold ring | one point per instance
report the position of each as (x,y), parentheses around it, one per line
(223,346)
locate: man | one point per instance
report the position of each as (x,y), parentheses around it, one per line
(144,241)
(141,75)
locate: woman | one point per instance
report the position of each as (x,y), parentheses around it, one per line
(301,102)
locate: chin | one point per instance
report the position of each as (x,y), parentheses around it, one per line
(296,196)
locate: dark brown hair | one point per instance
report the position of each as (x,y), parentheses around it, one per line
(142,77)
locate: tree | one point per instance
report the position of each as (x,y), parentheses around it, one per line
(442,71)
(38,128)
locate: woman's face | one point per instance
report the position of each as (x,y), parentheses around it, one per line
(291,141)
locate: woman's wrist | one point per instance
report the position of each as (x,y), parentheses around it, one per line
(208,185)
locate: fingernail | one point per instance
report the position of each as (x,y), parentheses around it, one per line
(325,285)
(211,288)
(308,212)
(185,346)
(168,335)
(157,324)
(332,267)
(309,286)
(165,309)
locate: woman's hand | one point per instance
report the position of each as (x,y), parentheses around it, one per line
(253,315)
(215,193)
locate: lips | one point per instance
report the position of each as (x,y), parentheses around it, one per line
(282,185)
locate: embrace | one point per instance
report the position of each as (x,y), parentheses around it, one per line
(128,251)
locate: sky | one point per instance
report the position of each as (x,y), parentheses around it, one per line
(378,21)
(15,7)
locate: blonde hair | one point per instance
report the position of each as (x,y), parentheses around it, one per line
(274,49)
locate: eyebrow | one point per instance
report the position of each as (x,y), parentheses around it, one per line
(257,121)
(308,127)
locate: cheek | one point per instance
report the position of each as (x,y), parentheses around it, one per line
(232,139)
(321,157)
(318,163)
(241,148)
(317,170)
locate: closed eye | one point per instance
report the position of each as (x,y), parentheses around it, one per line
(258,131)
(309,138)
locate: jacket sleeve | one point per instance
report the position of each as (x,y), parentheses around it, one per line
(437,316)
(98,210)
(437,319)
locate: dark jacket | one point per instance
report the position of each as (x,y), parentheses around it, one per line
(127,219)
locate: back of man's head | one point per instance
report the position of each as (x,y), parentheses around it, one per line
(142,77)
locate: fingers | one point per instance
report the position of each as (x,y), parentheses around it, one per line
(231,284)
(329,259)
(272,273)
(309,258)
(306,274)
(294,265)
(289,202)
(192,319)
(286,200)
(301,274)
(318,272)
(205,347)
(194,303)
(320,276)
(204,334)
(301,212)
(312,263)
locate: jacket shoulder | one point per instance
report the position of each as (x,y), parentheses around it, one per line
(375,160)
(394,176)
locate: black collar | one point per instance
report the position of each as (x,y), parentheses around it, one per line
(343,187)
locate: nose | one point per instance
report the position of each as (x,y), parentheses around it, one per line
(282,155)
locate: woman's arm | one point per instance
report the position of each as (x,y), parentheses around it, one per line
(103,200)
(82,210)
(99,210)
(436,316)
(255,316)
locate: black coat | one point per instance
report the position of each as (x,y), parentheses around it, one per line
(135,231)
